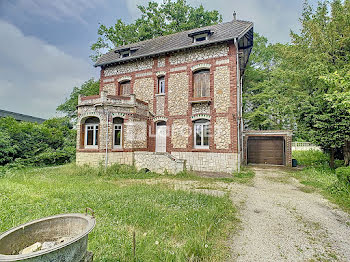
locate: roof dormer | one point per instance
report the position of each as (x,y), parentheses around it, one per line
(126,52)
(200,36)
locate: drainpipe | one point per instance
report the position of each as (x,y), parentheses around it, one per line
(238,93)
(106,163)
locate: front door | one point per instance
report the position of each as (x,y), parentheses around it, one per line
(161,138)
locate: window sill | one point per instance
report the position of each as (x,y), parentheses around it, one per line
(88,150)
(201,150)
(163,94)
(200,100)
(117,149)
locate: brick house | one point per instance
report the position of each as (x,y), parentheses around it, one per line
(170,103)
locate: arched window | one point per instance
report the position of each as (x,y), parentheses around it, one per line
(125,88)
(91,132)
(201,83)
(201,134)
(118,132)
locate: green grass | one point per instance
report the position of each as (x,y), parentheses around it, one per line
(324,180)
(245,176)
(311,158)
(170,225)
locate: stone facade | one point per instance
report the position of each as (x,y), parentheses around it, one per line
(209,162)
(158,162)
(222,89)
(222,136)
(177,108)
(129,67)
(143,89)
(99,158)
(178,94)
(179,133)
(200,54)
(110,89)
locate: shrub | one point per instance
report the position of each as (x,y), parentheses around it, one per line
(343,175)
(26,144)
(314,158)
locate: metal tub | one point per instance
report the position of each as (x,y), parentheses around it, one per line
(75,226)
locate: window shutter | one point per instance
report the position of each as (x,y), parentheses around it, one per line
(197,85)
(82,135)
(206,84)
(125,88)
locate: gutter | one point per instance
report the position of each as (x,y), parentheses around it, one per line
(238,94)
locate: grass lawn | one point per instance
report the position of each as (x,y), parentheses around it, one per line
(170,225)
(318,176)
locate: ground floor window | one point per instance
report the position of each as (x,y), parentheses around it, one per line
(117,132)
(201,134)
(91,135)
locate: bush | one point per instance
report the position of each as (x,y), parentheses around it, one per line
(314,158)
(26,144)
(343,175)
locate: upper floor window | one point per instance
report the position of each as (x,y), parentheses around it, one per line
(125,88)
(199,38)
(161,85)
(117,132)
(200,35)
(201,134)
(201,83)
(91,132)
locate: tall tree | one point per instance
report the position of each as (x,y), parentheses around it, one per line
(156,20)
(88,88)
(266,94)
(316,54)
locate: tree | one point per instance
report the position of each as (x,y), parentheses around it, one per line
(265,92)
(88,88)
(156,20)
(311,63)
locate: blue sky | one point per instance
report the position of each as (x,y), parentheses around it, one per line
(45,44)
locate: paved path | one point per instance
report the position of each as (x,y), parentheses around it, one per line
(280,222)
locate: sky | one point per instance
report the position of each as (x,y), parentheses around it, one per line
(45,44)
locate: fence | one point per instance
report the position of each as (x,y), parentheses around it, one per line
(304,146)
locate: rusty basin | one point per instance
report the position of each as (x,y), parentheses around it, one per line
(72,227)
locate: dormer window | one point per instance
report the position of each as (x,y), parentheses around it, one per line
(200,36)
(125,54)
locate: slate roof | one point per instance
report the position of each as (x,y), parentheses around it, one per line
(21,117)
(178,41)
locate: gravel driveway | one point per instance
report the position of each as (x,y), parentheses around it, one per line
(281,222)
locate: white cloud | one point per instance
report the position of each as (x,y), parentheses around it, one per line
(57,9)
(272,18)
(35,77)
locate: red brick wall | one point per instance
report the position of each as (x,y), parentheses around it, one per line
(231,114)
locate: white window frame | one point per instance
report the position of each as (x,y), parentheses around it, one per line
(121,136)
(201,125)
(200,36)
(94,130)
(161,89)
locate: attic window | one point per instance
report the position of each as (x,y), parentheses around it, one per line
(125,54)
(200,36)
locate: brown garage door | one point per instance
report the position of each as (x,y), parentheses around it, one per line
(266,150)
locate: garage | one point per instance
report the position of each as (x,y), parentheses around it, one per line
(268,147)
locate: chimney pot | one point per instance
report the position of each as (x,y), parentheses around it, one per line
(234,16)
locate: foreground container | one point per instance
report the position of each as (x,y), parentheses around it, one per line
(76,227)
